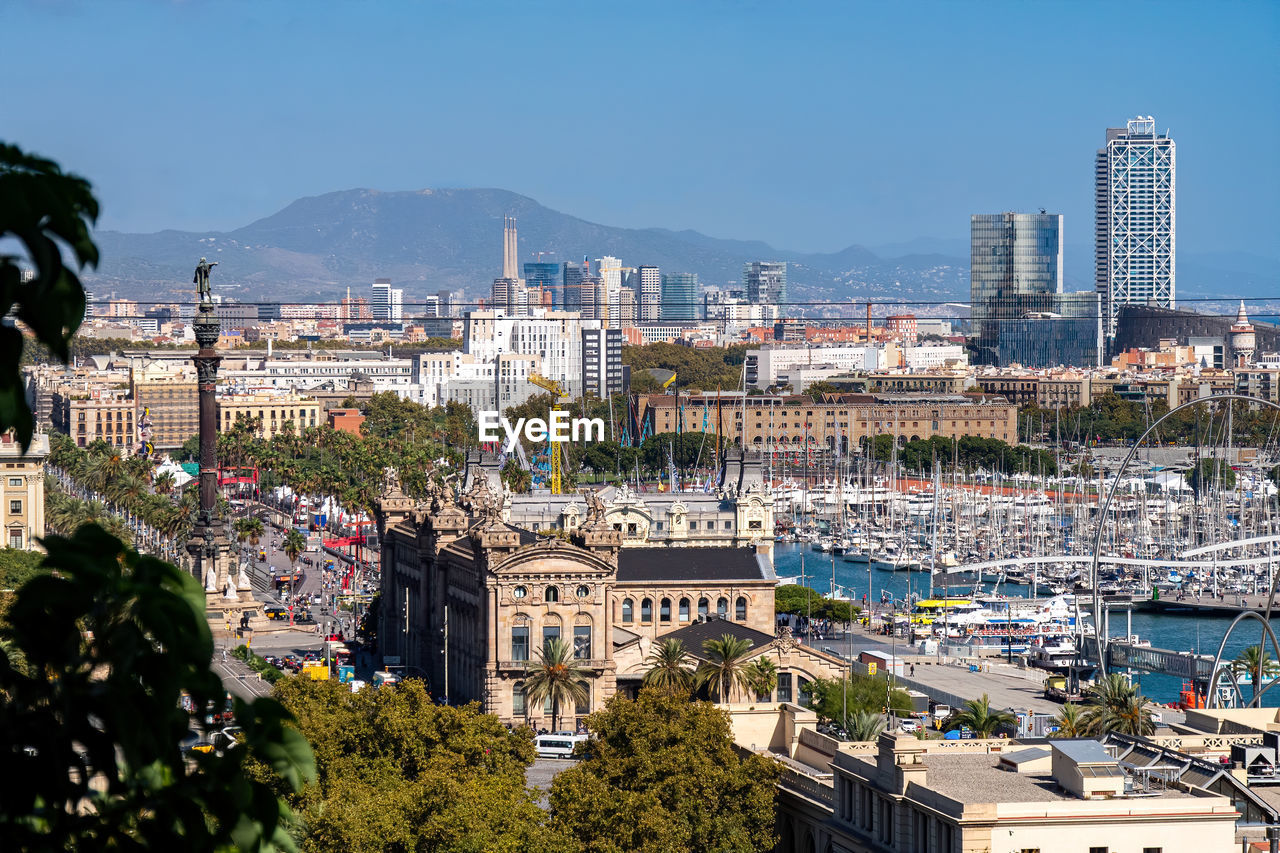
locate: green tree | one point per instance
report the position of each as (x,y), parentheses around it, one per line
(107,639)
(834,699)
(1257,663)
(663,775)
(557,676)
(670,667)
(1113,705)
(1211,473)
(49,214)
(803,601)
(516,478)
(762,677)
(1070,722)
(863,725)
(725,668)
(980,717)
(398,772)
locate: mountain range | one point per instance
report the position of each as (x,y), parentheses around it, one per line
(450,239)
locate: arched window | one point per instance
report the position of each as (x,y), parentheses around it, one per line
(646,611)
(552,594)
(664,611)
(626,609)
(684,610)
(722,608)
(703,607)
(740,609)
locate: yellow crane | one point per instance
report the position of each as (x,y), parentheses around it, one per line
(557,394)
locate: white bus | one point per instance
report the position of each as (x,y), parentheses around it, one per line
(557,746)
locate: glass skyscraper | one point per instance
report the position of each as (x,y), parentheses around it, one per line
(571,288)
(1015,269)
(1134,217)
(765,282)
(546,276)
(680,296)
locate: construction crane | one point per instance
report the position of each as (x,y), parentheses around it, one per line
(553,449)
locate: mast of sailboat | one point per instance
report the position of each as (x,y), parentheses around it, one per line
(933,566)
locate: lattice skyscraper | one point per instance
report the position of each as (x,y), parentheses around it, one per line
(1134,216)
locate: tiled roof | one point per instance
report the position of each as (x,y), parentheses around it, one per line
(639,565)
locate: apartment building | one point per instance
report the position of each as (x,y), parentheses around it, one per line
(23,491)
(275,410)
(168,396)
(775,422)
(88,414)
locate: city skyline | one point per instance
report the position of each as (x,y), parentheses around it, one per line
(867,175)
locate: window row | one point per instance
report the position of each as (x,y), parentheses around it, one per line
(520,703)
(520,641)
(552,593)
(682,610)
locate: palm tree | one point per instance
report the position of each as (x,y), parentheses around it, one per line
(670,667)
(979,716)
(1115,706)
(725,668)
(294,544)
(105,468)
(1070,722)
(557,676)
(762,673)
(163,483)
(862,725)
(1256,663)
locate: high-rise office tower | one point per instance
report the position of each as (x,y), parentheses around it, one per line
(1015,268)
(623,314)
(594,299)
(545,276)
(571,285)
(602,370)
(680,296)
(765,282)
(650,293)
(1134,220)
(610,270)
(380,301)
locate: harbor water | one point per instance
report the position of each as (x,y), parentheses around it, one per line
(1175,632)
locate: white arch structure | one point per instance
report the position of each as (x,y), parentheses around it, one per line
(1099,639)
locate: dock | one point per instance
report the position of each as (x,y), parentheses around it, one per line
(1230,606)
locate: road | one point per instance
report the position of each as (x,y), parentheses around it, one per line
(539,775)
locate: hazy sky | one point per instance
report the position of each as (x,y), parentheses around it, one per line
(807,125)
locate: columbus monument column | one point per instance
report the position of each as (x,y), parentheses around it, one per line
(228,598)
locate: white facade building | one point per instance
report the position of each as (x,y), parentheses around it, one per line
(926,358)
(555,337)
(650,294)
(767,364)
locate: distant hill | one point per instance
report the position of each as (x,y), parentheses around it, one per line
(430,240)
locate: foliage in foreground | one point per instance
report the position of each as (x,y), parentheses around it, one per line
(94,662)
(835,701)
(398,772)
(803,601)
(663,775)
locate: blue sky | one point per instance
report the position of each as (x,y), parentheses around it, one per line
(811,126)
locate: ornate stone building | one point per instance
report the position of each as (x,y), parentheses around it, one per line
(468,597)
